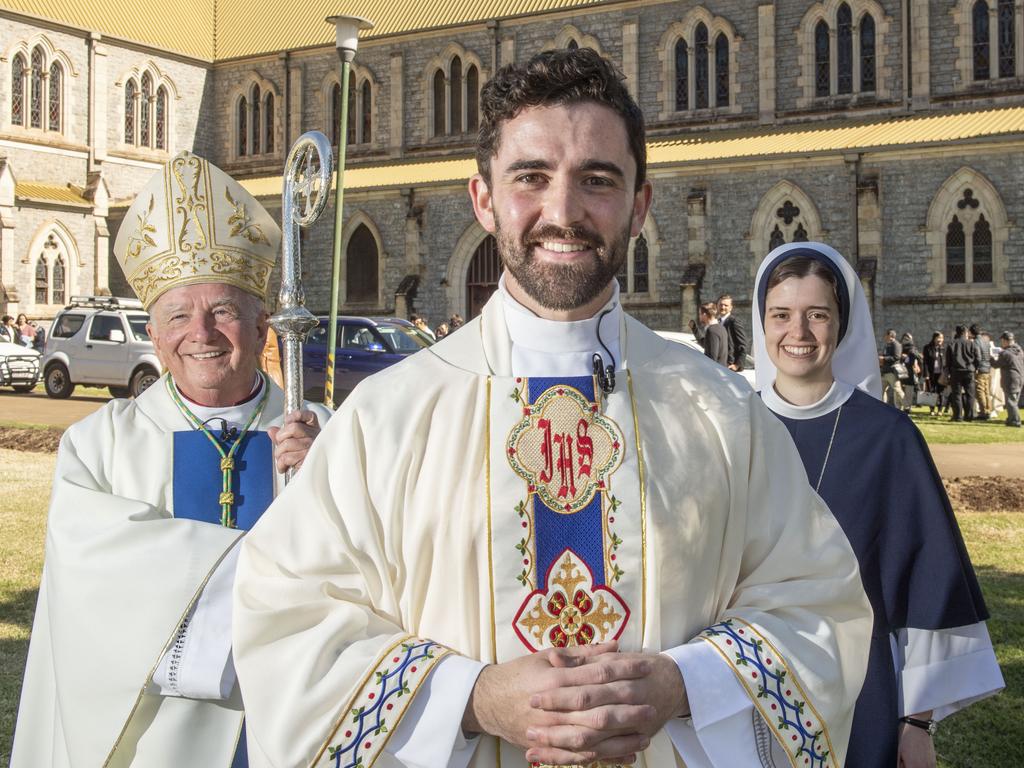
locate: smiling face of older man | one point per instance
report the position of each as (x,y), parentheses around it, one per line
(209,336)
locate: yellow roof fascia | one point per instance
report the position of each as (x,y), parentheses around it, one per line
(50,193)
(893,132)
(373,176)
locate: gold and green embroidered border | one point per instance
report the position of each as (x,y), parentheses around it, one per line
(775,691)
(379,704)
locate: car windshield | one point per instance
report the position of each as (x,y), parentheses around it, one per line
(401,339)
(138,324)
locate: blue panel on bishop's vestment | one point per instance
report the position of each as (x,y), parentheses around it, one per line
(198,478)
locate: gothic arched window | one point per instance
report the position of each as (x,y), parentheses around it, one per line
(439,102)
(42,282)
(981,263)
(572,45)
(867,53)
(36,79)
(144,126)
(682,76)
(822,71)
(700,65)
(257,126)
(634,275)
(243,118)
(57,295)
(721,70)
(367,107)
(335,113)
(361,260)
(776,239)
(472,98)
(129,112)
(268,122)
(640,255)
(53,101)
(956,252)
(18,90)
(844,49)
(160,123)
(351,136)
(1007,44)
(979,23)
(455,80)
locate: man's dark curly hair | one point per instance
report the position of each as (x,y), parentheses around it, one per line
(555,78)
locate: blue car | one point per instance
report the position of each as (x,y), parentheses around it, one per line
(365,345)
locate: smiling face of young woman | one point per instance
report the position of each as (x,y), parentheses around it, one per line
(801,332)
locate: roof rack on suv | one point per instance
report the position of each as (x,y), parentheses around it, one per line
(104,302)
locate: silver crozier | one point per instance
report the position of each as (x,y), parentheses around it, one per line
(307,184)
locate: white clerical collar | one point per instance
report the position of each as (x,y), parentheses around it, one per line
(542,347)
(837,394)
(236,415)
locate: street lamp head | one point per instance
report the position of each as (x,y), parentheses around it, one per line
(346,32)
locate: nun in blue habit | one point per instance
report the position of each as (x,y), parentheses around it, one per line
(817,370)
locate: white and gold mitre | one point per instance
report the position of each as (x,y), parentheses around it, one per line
(193,223)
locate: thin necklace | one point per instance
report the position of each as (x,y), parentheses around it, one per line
(828,453)
(227,458)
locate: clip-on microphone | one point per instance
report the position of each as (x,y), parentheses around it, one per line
(226,433)
(605,374)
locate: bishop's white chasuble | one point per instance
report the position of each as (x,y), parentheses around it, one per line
(452,508)
(133,536)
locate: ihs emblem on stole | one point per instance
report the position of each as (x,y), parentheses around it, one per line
(566,450)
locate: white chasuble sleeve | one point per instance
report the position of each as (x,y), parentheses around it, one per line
(722,728)
(795,629)
(120,574)
(325,665)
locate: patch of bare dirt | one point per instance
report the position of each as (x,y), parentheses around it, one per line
(986,494)
(42,440)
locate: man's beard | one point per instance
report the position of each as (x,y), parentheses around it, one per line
(562,287)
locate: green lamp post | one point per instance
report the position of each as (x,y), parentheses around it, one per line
(346,29)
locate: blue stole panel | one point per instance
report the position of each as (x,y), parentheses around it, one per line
(198,478)
(555,531)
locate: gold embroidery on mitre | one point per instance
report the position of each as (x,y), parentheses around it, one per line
(195,224)
(241,221)
(190,203)
(565,449)
(142,237)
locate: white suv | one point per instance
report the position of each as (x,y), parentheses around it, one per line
(100,341)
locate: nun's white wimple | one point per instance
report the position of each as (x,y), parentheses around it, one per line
(855,361)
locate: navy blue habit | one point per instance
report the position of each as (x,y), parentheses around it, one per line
(882,485)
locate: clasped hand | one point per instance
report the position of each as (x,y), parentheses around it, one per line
(578,705)
(293,439)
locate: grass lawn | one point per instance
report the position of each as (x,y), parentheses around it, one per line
(989,733)
(986,735)
(939,429)
(24,489)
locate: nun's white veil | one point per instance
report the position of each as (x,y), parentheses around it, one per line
(855,361)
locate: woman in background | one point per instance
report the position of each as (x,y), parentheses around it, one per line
(817,370)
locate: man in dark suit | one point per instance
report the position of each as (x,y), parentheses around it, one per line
(738,343)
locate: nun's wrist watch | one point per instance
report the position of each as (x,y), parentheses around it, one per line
(928,725)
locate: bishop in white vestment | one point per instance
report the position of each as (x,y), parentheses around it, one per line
(130,656)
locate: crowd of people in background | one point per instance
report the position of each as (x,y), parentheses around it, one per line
(957,378)
(453,323)
(722,335)
(22,331)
